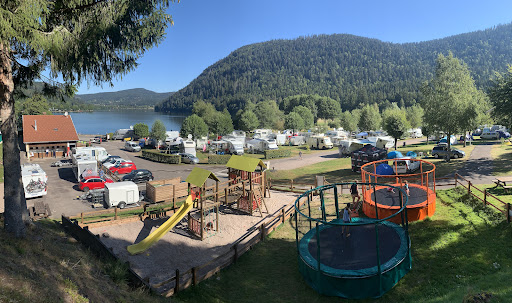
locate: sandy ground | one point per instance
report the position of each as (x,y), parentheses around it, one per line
(179,249)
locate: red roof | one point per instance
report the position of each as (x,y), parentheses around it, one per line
(48,128)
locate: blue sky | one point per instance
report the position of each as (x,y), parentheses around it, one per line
(207,31)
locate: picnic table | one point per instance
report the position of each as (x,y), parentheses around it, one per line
(502,182)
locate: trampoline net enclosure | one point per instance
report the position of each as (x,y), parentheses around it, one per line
(421,182)
(365,264)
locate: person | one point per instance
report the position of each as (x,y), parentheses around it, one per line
(47,152)
(406,185)
(346,219)
(300,155)
(391,190)
(354,192)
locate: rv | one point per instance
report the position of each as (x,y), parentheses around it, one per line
(121,194)
(319,142)
(280,138)
(261,133)
(171,136)
(84,167)
(235,147)
(297,140)
(188,147)
(34,180)
(346,147)
(239,135)
(202,143)
(122,134)
(381,142)
(415,133)
(96,152)
(260,145)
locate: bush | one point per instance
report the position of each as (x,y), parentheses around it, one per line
(157,156)
(218,159)
(110,136)
(277,153)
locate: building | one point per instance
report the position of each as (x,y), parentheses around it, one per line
(47,136)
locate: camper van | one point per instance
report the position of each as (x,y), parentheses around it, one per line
(84,167)
(121,194)
(260,145)
(34,180)
(319,142)
(132,146)
(235,147)
(95,152)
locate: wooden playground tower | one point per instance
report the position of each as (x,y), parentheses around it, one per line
(247,175)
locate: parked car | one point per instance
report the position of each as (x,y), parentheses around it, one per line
(442,152)
(188,158)
(123,168)
(503,134)
(139,175)
(132,146)
(93,182)
(114,162)
(110,158)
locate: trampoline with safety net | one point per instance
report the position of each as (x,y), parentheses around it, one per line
(365,264)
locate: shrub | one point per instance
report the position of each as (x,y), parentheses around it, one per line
(110,135)
(277,153)
(218,159)
(157,156)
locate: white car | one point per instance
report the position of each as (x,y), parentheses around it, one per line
(114,162)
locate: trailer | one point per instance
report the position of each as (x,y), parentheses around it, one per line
(297,140)
(235,147)
(121,194)
(260,145)
(34,180)
(84,167)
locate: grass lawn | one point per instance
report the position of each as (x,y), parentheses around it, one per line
(501,157)
(461,251)
(203,157)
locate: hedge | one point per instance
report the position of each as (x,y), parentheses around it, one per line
(157,156)
(277,153)
(218,159)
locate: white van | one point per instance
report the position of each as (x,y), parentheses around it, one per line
(406,166)
(121,194)
(34,180)
(132,146)
(489,135)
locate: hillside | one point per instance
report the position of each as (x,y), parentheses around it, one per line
(347,68)
(135,97)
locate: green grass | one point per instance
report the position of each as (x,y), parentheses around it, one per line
(203,157)
(463,250)
(501,157)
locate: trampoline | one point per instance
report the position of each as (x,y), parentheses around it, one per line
(365,265)
(378,202)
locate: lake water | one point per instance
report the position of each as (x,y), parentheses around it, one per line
(102,122)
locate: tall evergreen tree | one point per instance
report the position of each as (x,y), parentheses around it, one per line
(75,40)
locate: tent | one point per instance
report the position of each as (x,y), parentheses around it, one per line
(411,154)
(395,154)
(384,169)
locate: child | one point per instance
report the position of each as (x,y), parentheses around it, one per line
(354,192)
(406,187)
(346,219)
(391,190)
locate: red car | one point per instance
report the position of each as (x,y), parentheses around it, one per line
(93,182)
(123,168)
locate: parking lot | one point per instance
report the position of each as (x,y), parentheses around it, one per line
(63,191)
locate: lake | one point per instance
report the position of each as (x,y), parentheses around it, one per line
(102,122)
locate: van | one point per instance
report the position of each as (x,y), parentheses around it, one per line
(489,135)
(121,194)
(319,142)
(34,180)
(132,146)
(406,165)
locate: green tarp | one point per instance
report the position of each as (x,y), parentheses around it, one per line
(198,176)
(247,164)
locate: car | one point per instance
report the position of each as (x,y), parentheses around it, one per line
(109,158)
(188,158)
(139,175)
(132,146)
(503,134)
(442,151)
(93,182)
(490,135)
(123,168)
(114,162)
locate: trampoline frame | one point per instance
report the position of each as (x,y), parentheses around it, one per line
(376,280)
(415,212)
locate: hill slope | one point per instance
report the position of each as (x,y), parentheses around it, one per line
(347,68)
(124,98)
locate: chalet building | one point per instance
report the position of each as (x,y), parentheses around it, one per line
(48,136)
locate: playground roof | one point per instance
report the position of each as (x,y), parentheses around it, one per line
(245,163)
(198,176)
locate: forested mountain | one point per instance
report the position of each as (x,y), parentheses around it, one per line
(352,70)
(136,97)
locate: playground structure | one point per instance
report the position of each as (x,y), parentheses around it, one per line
(366,264)
(247,175)
(380,202)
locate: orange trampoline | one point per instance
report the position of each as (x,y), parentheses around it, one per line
(381,201)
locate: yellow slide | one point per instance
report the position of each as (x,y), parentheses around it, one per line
(162,230)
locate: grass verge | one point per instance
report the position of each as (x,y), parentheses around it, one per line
(501,159)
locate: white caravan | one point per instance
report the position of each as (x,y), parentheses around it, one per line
(297,140)
(84,167)
(346,147)
(406,166)
(381,142)
(188,147)
(121,194)
(415,133)
(260,145)
(319,142)
(95,152)
(34,180)
(261,133)
(280,138)
(235,146)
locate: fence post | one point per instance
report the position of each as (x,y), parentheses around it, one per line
(508,213)
(194,276)
(177,286)
(282,212)
(226,196)
(469,188)
(262,231)
(485,196)
(455,180)
(173,195)
(82,218)
(115,212)
(291,184)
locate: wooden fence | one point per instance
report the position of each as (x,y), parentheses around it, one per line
(488,199)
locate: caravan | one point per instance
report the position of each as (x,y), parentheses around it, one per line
(235,146)
(84,167)
(260,145)
(261,133)
(34,180)
(346,147)
(95,152)
(122,134)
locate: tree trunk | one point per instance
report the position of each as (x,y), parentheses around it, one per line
(395,142)
(464,138)
(14,195)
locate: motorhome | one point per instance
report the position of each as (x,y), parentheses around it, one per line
(280,138)
(34,180)
(188,147)
(171,136)
(202,143)
(84,167)
(240,135)
(260,145)
(346,147)
(235,146)
(121,194)
(121,134)
(339,134)
(381,142)
(96,152)
(415,133)
(297,140)
(319,142)
(261,133)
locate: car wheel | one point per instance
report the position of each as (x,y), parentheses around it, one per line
(86,189)
(436,156)
(455,156)
(121,205)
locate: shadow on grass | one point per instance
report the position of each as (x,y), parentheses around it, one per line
(503,162)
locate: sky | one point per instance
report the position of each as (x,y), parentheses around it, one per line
(206,31)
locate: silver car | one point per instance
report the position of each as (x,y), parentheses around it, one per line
(188,158)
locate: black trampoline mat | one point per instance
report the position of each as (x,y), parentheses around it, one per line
(417,195)
(358,251)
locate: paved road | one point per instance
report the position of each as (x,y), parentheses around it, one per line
(478,168)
